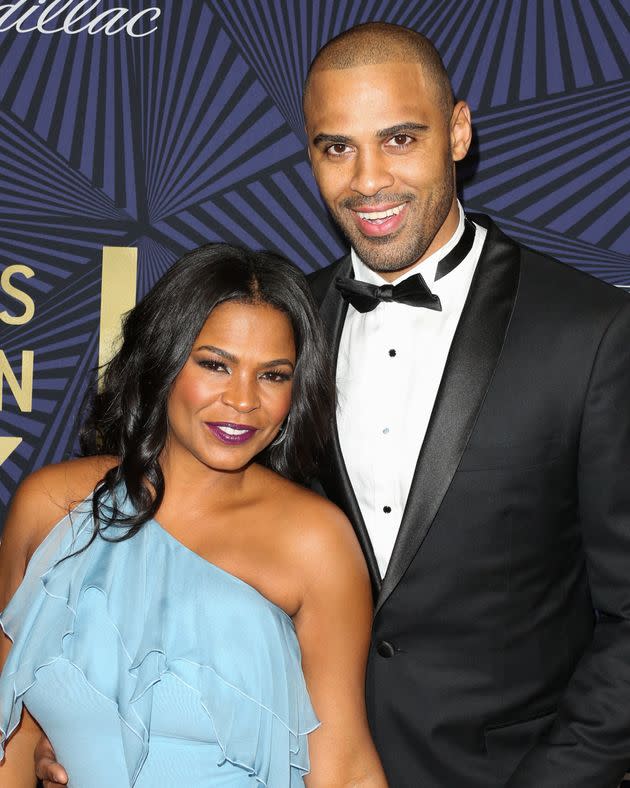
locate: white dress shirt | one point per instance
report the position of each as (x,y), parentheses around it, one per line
(389,368)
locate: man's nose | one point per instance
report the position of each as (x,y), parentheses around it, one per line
(241,393)
(371,173)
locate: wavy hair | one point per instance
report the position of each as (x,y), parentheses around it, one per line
(128,415)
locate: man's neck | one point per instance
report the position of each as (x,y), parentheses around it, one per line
(427,263)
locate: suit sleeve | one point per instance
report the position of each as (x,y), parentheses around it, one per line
(589,743)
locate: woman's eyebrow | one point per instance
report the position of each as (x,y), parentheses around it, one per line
(230,357)
(278,361)
(219,351)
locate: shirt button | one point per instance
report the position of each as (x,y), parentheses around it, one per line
(385,649)
(387,509)
(392,352)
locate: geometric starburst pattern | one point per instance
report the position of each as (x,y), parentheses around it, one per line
(194,133)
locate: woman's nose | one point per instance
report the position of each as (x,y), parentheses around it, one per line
(241,393)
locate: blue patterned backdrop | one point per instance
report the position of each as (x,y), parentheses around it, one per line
(194,133)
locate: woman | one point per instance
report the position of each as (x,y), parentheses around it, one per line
(175,584)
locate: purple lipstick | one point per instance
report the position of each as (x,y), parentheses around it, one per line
(231,434)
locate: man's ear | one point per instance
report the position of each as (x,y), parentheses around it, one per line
(461,130)
(308,151)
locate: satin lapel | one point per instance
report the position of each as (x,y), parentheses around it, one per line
(469,368)
(337,482)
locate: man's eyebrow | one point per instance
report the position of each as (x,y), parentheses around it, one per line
(400,128)
(332,139)
(391,131)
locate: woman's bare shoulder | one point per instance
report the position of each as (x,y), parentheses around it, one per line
(326,562)
(318,530)
(48,494)
(299,503)
(41,500)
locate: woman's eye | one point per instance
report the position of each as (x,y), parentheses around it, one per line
(276,376)
(213,365)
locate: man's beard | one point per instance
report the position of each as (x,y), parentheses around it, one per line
(385,254)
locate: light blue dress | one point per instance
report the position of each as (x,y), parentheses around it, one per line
(148,666)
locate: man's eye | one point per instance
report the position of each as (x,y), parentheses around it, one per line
(400,141)
(338,149)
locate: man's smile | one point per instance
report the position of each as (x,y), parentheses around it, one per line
(379,221)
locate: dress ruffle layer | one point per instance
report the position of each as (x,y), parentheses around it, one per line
(257,706)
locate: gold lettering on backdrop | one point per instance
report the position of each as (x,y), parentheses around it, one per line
(118,295)
(19,295)
(21,390)
(7,447)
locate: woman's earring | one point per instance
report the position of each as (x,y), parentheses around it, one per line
(282,433)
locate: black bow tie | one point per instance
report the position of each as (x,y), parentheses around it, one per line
(365,297)
(413,291)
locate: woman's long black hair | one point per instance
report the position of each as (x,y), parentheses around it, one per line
(128,417)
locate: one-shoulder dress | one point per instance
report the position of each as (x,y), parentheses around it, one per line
(148,666)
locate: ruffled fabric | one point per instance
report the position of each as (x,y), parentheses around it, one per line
(175,613)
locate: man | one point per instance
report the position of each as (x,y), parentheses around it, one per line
(481,449)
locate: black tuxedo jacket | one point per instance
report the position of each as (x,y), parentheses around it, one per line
(488,665)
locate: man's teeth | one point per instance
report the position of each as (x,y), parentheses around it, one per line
(372,215)
(232,430)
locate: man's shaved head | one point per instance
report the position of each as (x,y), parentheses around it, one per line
(381,42)
(384,134)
